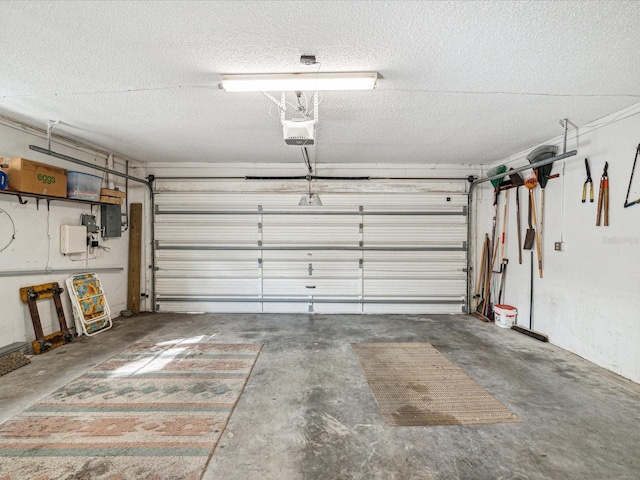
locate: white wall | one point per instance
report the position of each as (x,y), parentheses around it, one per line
(37,241)
(589,299)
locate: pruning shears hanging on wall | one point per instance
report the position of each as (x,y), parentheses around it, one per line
(603,197)
(589,181)
(628,203)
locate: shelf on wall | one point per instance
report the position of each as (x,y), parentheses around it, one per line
(48,198)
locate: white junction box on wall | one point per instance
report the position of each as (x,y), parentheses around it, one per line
(73,239)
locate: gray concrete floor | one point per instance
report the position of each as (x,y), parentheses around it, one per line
(307,411)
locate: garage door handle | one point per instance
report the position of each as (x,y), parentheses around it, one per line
(311,286)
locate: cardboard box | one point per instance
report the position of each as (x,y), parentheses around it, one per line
(28,176)
(113,200)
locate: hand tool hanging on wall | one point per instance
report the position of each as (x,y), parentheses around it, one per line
(484,279)
(531,183)
(483,307)
(603,197)
(503,240)
(503,236)
(530,235)
(517,181)
(487,304)
(496,190)
(530,331)
(589,180)
(481,273)
(543,173)
(627,203)
(503,280)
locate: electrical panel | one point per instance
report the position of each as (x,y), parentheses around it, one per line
(73,239)
(90,222)
(111,221)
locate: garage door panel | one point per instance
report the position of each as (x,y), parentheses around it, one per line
(207,287)
(382,308)
(301,305)
(311,255)
(207,234)
(409,221)
(404,257)
(416,271)
(441,235)
(210,218)
(311,287)
(285,307)
(190,306)
(318,269)
(414,287)
(196,256)
(310,230)
(333,308)
(207,269)
(309,236)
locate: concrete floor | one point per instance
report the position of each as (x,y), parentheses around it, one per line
(307,411)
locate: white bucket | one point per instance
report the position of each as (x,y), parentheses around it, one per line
(504,315)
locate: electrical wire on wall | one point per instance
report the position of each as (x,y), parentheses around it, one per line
(3,247)
(47,268)
(92,253)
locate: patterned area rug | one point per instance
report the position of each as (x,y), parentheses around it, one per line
(153,412)
(414,384)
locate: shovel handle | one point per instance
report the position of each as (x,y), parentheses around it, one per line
(535,222)
(519,227)
(600,200)
(606,202)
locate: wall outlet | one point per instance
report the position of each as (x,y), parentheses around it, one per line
(558,246)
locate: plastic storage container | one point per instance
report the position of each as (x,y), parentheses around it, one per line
(83,186)
(504,315)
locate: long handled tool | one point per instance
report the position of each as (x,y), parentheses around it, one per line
(503,236)
(503,279)
(530,331)
(531,183)
(517,181)
(484,281)
(530,234)
(496,190)
(481,273)
(493,250)
(627,203)
(603,197)
(543,173)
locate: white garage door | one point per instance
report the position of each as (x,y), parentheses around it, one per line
(358,253)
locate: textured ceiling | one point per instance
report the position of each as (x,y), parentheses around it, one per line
(463,82)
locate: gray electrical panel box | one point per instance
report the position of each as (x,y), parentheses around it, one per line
(111,221)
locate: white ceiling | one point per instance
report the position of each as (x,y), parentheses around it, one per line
(463,82)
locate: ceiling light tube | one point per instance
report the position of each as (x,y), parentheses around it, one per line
(293,82)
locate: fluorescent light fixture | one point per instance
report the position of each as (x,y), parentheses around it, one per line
(294,82)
